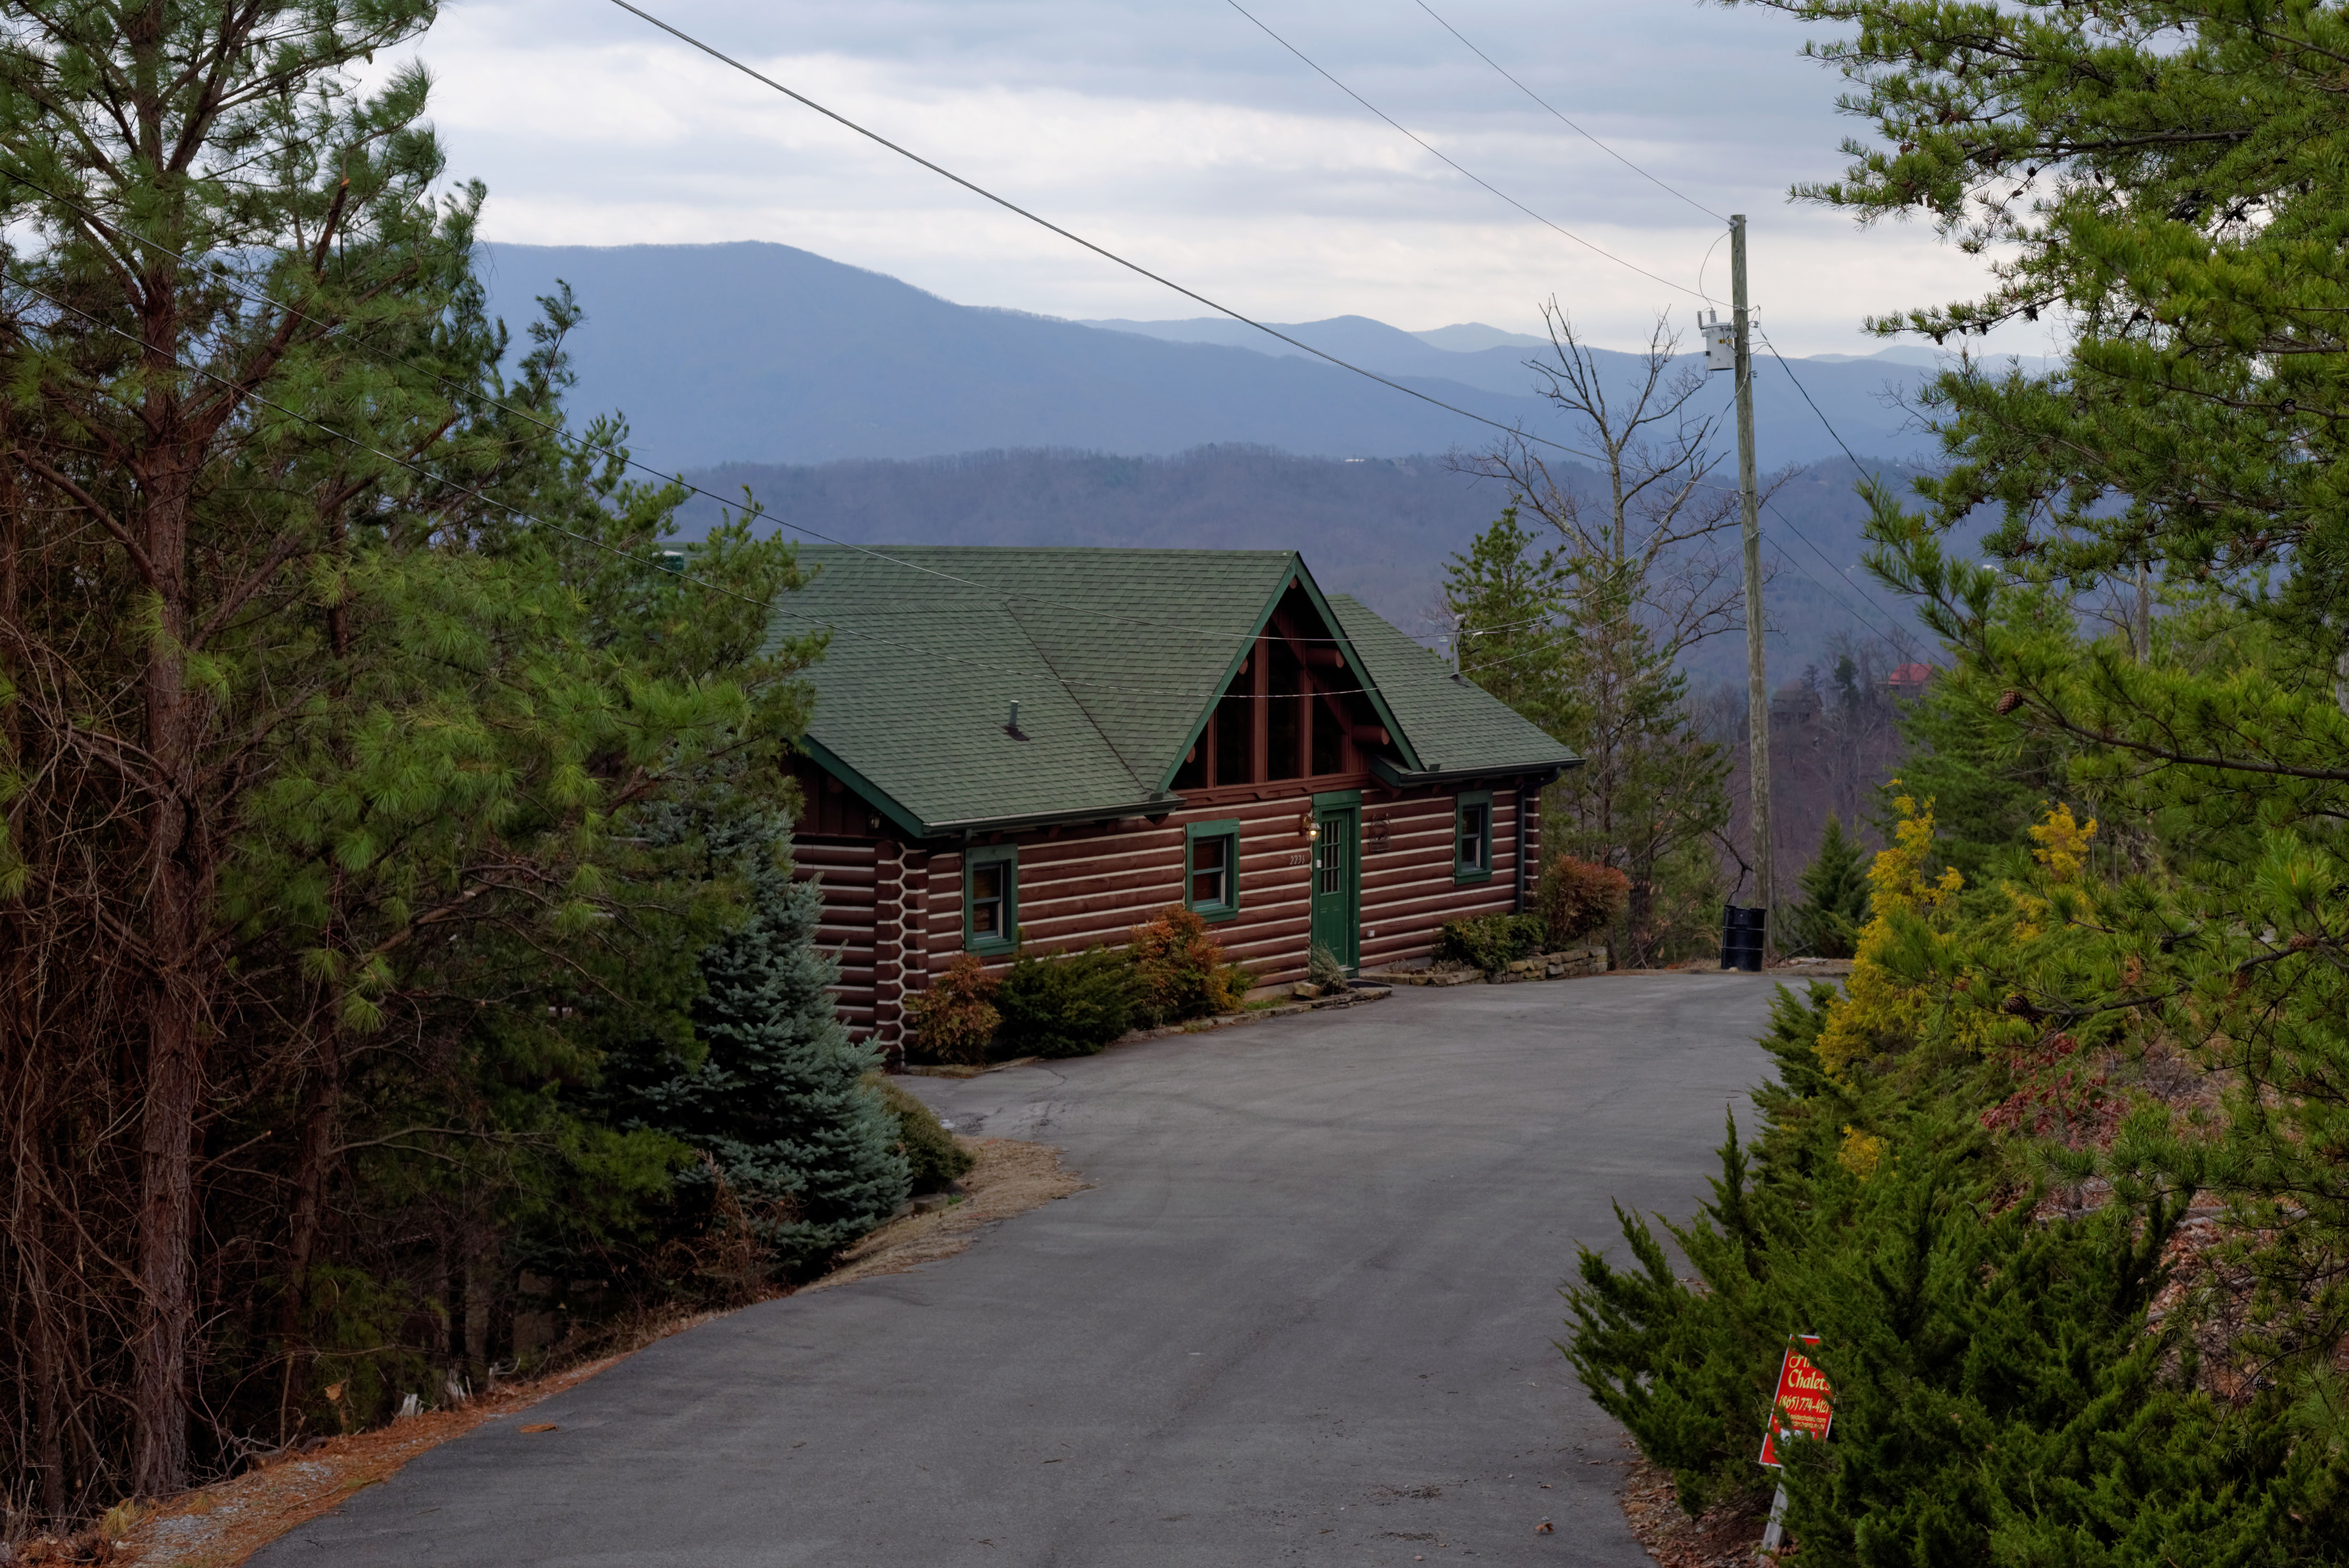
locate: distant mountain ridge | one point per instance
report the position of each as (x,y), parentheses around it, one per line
(1380,529)
(751,352)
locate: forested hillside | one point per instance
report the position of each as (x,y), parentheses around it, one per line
(1380,529)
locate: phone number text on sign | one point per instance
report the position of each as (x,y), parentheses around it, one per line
(1804,1407)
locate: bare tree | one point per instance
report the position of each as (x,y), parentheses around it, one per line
(1650,577)
(1657,527)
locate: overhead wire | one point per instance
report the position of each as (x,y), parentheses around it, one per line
(1456,165)
(1891,630)
(476,493)
(1837,436)
(1077,239)
(605,448)
(1570,124)
(1515,431)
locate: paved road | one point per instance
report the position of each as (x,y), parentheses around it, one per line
(1304,1315)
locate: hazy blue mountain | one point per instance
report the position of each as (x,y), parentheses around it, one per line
(1468,336)
(763,353)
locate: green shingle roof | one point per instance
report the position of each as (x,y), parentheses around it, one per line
(1455,727)
(1114,657)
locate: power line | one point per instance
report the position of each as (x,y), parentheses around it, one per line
(1806,398)
(1455,165)
(1893,633)
(1594,142)
(474,493)
(1076,238)
(606,449)
(1838,436)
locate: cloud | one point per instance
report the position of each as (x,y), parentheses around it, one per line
(1179,135)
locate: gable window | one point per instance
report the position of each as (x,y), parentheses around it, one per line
(1211,869)
(990,899)
(1472,836)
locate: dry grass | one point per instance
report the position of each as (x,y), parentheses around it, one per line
(1010,1179)
(218,1526)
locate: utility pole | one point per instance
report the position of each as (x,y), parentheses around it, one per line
(1757,686)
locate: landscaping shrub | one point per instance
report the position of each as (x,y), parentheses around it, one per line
(930,1151)
(2001,1394)
(956,1019)
(1577,899)
(1489,941)
(1064,1004)
(1323,968)
(1180,971)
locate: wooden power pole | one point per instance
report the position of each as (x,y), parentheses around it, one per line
(1757,684)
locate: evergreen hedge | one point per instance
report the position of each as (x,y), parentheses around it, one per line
(2002,1395)
(1490,942)
(933,1158)
(1064,1004)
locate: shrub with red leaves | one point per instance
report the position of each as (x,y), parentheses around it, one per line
(1577,898)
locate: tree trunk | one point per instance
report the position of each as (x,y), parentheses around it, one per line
(321,1094)
(179,883)
(159,1465)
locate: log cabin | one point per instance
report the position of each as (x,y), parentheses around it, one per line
(1045,747)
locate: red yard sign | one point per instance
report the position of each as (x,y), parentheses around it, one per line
(1804,1407)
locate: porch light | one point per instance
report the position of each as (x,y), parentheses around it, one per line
(1307,827)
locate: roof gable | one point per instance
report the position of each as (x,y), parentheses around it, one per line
(1457,726)
(1117,659)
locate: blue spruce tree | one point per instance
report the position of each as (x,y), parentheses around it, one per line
(779,1102)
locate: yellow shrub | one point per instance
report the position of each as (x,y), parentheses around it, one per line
(1879,1012)
(1861,1152)
(2060,843)
(1875,1008)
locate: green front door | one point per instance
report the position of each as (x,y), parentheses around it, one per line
(1338,882)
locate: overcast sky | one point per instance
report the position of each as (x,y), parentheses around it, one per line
(1179,134)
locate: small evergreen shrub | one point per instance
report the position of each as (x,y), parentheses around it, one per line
(1180,971)
(931,1152)
(956,1019)
(1064,1004)
(1324,969)
(1577,899)
(1489,941)
(795,1156)
(1835,903)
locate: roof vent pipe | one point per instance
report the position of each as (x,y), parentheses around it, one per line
(1011,726)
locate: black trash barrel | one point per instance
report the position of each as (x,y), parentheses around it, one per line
(1743,931)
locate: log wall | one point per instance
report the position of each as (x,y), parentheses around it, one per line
(892,912)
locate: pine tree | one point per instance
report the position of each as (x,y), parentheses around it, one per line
(1506,602)
(1835,894)
(777,1100)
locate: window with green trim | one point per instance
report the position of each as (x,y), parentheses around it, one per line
(1211,869)
(991,897)
(1472,836)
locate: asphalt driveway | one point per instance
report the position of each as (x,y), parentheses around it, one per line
(1304,1314)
